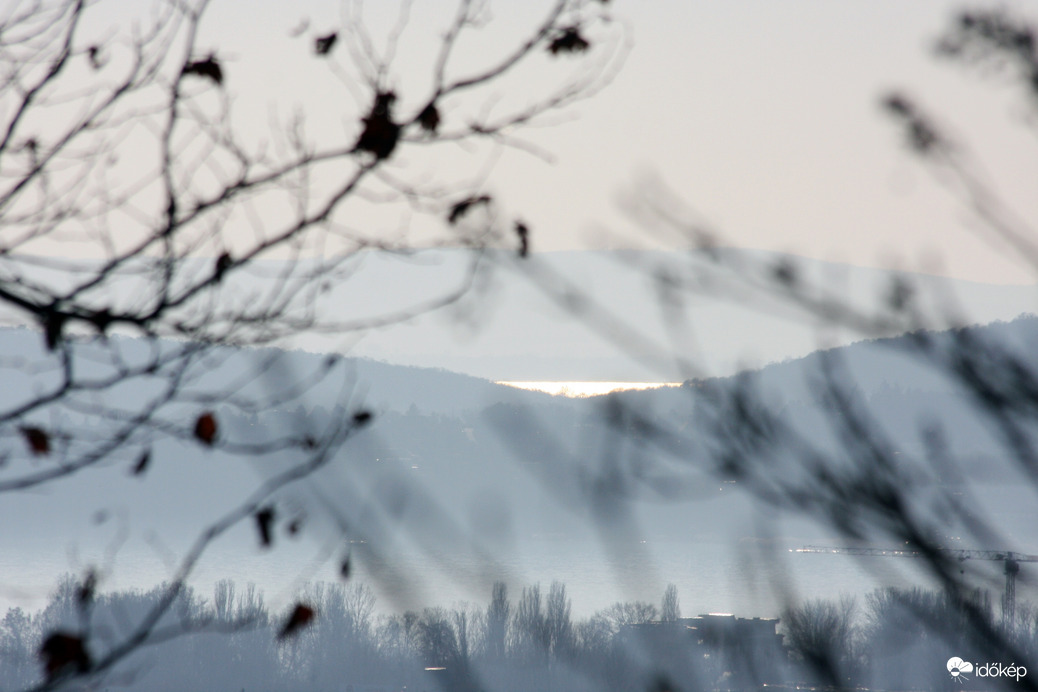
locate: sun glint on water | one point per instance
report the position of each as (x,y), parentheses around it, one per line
(585,389)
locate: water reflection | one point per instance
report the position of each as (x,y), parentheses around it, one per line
(585,389)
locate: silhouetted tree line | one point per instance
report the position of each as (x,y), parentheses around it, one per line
(530,642)
(900,639)
(904,639)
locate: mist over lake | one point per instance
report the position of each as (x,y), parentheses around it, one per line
(461,482)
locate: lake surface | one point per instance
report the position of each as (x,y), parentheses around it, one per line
(746,578)
(585,389)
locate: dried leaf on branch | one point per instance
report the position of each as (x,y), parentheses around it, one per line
(429,118)
(380,134)
(142,463)
(459,209)
(523,232)
(323,44)
(38,440)
(208,68)
(569,40)
(63,653)
(265,524)
(302,615)
(206,428)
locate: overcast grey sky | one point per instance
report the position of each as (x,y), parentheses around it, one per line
(764,117)
(761,116)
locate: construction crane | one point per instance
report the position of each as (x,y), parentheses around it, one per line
(1010,560)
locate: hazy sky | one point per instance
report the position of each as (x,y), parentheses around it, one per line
(761,116)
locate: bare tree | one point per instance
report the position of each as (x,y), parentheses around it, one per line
(498,616)
(822,634)
(557,609)
(626,613)
(166,271)
(670,608)
(530,628)
(197,238)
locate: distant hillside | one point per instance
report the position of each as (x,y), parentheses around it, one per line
(894,363)
(903,387)
(599,315)
(380,385)
(508,329)
(459,470)
(940,431)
